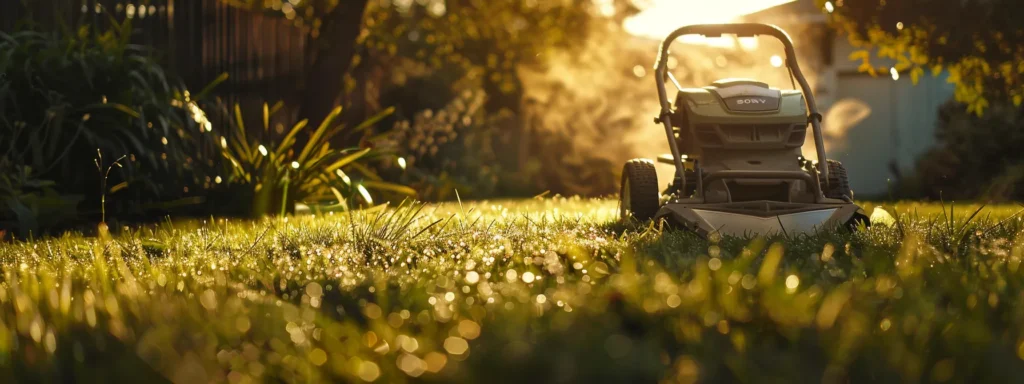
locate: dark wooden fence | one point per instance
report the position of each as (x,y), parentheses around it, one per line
(197,39)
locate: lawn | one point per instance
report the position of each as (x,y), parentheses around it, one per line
(550,290)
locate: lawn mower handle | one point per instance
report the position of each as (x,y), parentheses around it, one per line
(741,30)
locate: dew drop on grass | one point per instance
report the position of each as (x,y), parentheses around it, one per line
(208,299)
(456,345)
(469,329)
(792,282)
(243,324)
(368,371)
(748,281)
(317,356)
(435,361)
(673,301)
(528,277)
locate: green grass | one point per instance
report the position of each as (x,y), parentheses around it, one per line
(546,290)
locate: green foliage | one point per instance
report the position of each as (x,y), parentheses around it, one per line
(65,94)
(496,36)
(445,149)
(31,205)
(274,173)
(980,43)
(514,291)
(421,56)
(974,157)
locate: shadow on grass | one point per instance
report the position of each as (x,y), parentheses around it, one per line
(82,356)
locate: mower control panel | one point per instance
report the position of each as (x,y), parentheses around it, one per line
(742,95)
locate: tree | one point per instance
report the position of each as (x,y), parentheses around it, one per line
(496,36)
(979,42)
(334,27)
(419,56)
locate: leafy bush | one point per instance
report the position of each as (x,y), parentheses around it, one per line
(28,204)
(447,148)
(66,94)
(975,157)
(269,170)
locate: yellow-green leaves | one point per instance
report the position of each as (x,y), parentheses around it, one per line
(772,259)
(861,54)
(915,74)
(985,69)
(867,68)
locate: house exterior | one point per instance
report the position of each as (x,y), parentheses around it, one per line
(901,119)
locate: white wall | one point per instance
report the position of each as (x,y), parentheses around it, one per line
(901,124)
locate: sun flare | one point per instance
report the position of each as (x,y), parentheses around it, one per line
(664,16)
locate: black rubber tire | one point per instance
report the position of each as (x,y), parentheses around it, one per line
(838,183)
(639,197)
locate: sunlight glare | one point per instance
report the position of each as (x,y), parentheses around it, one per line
(665,16)
(639,71)
(365,194)
(343,177)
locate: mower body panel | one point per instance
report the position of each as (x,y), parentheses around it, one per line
(742,100)
(764,218)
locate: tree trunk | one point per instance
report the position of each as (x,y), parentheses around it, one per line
(331,55)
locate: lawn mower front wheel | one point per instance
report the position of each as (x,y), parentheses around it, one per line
(639,196)
(838,183)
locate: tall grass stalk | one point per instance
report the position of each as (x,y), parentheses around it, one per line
(103,181)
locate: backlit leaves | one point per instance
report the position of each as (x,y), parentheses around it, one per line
(979,39)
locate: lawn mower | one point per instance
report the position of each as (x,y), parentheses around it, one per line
(736,149)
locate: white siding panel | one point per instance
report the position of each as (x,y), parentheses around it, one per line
(901,126)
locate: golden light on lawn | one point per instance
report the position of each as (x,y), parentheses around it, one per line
(664,16)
